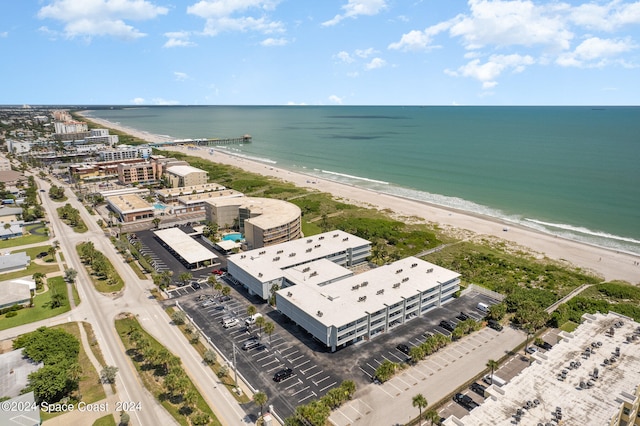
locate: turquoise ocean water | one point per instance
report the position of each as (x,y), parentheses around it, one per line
(570,171)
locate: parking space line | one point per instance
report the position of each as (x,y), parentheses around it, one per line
(395,356)
(310,368)
(285,349)
(391,384)
(292,353)
(300,365)
(278,367)
(301,390)
(320,381)
(327,387)
(265,357)
(400,380)
(295,359)
(315,374)
(295,384)
(275,360)
(307,397)
(365,371)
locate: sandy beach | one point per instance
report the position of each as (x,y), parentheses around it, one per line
(608,264)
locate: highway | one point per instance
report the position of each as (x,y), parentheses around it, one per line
(101,310)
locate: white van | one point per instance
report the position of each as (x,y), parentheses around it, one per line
(496,380)
(252,319)
(230,322)
(483,307)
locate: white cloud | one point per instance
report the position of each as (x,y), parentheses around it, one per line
(4,34)
(292,103)
(269,42)
(512,23)
(235,15)
(606,17)
(344,57)
(336,99)
(87,19)
(488,72)
(595,52)
(178,39)
(161,101)
(355,8)
(137,101)
(365,53)
(180,76)
(420,40)
(376,63)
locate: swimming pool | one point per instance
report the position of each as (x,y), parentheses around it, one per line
(159,206)
(234,236)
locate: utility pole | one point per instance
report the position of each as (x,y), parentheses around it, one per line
(235,367)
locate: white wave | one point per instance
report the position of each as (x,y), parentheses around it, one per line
(582,230)
(249,157)
(355,177)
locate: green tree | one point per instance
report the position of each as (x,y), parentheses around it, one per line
(156,221)
(386,370)
(190,398)
(226,290)
(178,317)
(269,328)
(432,416)
(260,398)
(421,402)
(497,311)
(492,365)
(70,275)
(124,418)
(210,357)
(108,374)
(251,310)
(185,277)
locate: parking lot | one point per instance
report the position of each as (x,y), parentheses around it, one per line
(315,369)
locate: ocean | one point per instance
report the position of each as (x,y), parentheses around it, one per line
(569,171)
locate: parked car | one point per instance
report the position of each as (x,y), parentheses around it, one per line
(403,348)
(250,344)
(217,272)
(545,345)
(465,401)
(462,316)
(196,286)
(531,350)
(223,299)
(207,303)
(230,323)
(282,375)
(42,254)
(478,388)
(495,325)
(252,319)
(447,325)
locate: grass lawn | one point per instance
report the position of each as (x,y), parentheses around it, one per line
(134,266)
(151,381)
(23,241)
(29,271)
(107,420)
(89,387)
(32,252)
(40,309)
(569,326)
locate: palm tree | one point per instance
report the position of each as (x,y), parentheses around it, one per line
(492,365)
(251,310)
(432,416)
(269,328)
(260,321)
(260,398)
(226,290)
(421,402)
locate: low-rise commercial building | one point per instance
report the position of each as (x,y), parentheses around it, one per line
(130,207)
(590,377)
(191,253)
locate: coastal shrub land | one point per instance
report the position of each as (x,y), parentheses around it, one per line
(525,278)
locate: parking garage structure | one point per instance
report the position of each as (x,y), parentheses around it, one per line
(191,253)
(260,269)
(359,307)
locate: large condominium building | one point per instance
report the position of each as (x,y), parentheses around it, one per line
(590,377)
(101,136)
(263,221)
(124,152)
(129,173)
(72,127)
(341,310)
(185,176)
(260,269)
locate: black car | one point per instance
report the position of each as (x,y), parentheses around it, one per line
(196,286)
(223,299)
(462,316)
(403,348)
(478,388)
(42,254)
(465,401)
(495,325)
(282,375)
(545,345)
(447,325)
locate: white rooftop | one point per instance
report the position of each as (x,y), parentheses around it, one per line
(266,263)
(184,170)
(189,249)
(594,405)
(316,273)
(351,298)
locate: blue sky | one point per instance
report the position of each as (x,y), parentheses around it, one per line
(323,52)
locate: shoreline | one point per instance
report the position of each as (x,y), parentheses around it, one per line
(607,263)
